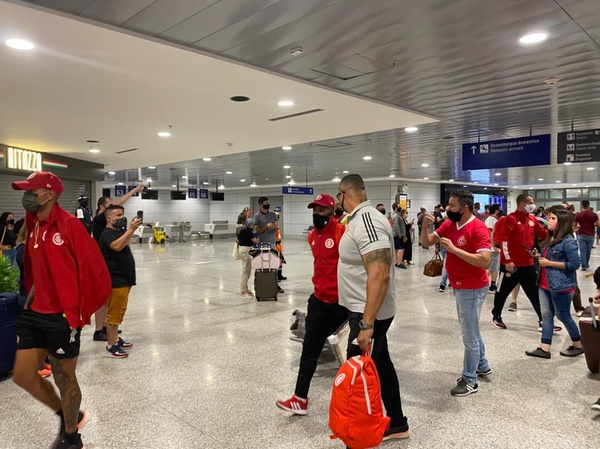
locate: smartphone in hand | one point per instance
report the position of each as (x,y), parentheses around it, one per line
(140,215)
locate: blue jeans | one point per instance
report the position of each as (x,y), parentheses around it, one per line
(557,304)
(585,249)
(468,306)
(10,254)
(444,280)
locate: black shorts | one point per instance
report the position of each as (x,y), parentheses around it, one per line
(398,243)
(47,331)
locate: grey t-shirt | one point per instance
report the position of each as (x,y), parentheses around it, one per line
(367,230)
(260,221)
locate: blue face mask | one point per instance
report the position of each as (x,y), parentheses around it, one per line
(249,221)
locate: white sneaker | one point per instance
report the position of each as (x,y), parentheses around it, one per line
(247,295)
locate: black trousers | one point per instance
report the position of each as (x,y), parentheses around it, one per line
(390,387)
(322,319)
(408,251)
(527,277)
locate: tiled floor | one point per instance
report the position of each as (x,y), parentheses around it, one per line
(207,367)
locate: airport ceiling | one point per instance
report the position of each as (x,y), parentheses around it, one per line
(455,60)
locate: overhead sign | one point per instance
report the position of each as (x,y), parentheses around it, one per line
(120,191)
(297,190)
(203,194)
(579,146)
(192,193)
(19,159)
(524,151)
(130,188)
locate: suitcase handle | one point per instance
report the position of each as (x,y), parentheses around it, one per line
(595,320)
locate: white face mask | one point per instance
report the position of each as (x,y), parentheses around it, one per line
(530,208)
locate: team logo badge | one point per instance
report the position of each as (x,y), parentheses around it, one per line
(339,379)
(329,243)
(531,223)
(57,239)
(462,241)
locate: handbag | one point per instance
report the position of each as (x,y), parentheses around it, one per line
(434,267)
(236,251)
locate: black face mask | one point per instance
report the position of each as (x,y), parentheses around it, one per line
(10,222)
(266,206)
(319,221)
(83,204)
(339,212)
(382,211)
(454,216)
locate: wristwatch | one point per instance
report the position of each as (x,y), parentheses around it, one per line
(364,325)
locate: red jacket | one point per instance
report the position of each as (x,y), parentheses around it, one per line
(324,246)
(520,230)
(67,268)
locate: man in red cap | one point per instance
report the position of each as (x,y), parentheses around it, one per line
(66,280)
(324,314)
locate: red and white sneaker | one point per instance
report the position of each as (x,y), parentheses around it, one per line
(294,405)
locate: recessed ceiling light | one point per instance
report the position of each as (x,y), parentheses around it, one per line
(285,103)
(540,179)
(119,183)
(426,179)
(94,150)
(345,172)
(206,183)
(533,38)
(242,180)
(496,184)
(184,177)
(152,167)
(558,182)
(451,180)
(411,129)
(288,177)
(207,159)
(475,182)
(425,165)
(464,187)
(586,186)
(485,188)
(149,180)
(590,168)
(221,186)
(567,163)
(497,174)
(112,173)
(229,173)
(253,184)
(367,158)
(337,178)
(392,176)
(164,134)
(286,166)
(173,185)
(20,44)
(286,147)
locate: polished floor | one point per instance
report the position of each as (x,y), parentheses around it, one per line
(207,367)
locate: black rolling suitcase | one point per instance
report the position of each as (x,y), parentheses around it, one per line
(9,312)
(265,262)
(589,326)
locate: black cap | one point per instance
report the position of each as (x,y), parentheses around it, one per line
(262,199)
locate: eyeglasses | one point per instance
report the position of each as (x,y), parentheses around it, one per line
(338,195)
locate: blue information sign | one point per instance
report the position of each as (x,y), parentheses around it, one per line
(297,190)
(130,188)
(277,208)
(120,191)
(192,193)
(524,151)
(203,194)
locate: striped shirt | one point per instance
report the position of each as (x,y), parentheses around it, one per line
(367,230)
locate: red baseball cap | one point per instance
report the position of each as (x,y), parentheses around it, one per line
(40,180)
(323,201)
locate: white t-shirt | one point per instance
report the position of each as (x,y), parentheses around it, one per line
(366,230)
(490,223)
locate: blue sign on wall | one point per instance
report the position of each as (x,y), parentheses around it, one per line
(120,191)
(297,190)
(277,208)
(203,194)
(192,193)
(524,151)
(130,188)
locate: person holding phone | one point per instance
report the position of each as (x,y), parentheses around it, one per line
(559,261)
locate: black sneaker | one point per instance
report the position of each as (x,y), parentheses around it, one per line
(572,351)
(512,307)
(596,405)
(124,344)
(282,278)
(463,388)
(498,323)
(63,442)
(396,433)
(442,288)
(280,290)
(484,373)
(492,288)
(539,352)
(100,336)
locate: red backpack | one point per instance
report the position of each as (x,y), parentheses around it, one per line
(356,413)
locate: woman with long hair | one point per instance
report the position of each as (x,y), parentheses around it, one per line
(8,237)
(246,238)
(559,260)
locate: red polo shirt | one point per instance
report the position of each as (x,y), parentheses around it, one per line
(324,246)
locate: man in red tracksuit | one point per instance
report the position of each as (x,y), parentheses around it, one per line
(324,314)
(518,233)
(67,281)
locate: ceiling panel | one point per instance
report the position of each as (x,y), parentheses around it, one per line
(115,11)
(165,14)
